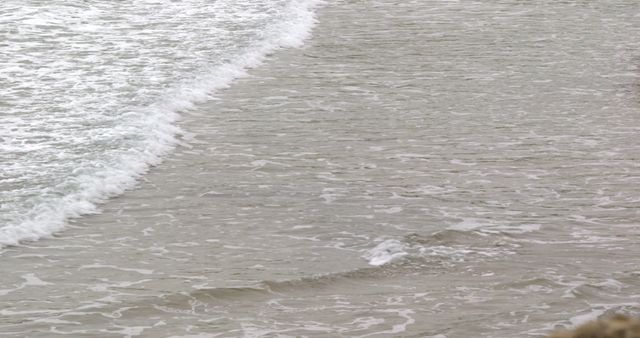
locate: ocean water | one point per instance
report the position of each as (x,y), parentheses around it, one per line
(91,92)
(410,169)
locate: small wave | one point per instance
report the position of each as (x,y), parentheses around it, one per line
(186,301)
(79,195)
(474,224)
(268,288)
(229,293)
(443,246)
(385,252)
(329,279)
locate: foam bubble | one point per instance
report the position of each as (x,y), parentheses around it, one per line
(385,252)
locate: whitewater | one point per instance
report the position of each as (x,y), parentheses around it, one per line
(91,92)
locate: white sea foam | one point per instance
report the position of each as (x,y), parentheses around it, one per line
(467,224)
(118,148)
(385,252)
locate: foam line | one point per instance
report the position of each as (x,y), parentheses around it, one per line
(158,125)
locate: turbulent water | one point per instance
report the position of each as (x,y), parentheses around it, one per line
(415,169)
(91,92)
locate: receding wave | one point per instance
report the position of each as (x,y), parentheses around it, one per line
(146,133)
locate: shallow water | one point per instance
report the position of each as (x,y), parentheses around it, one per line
(91,92)
(440,169)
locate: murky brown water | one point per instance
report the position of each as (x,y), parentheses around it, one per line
(418,169)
